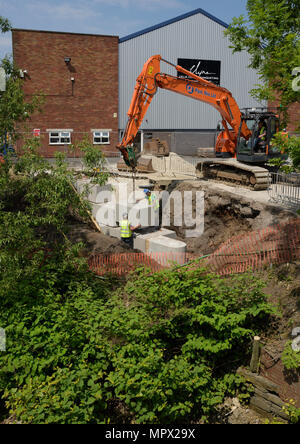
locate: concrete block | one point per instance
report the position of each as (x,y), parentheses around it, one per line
(115,232)
(138,213)
(81,184)
(105,229)
(139,243)
(137,195)
(142,214)
(167,251)
(168,233)
(100,194)
(162,247)
(142,239)
(165,244)
(95,193)
(121,208)
(105,214)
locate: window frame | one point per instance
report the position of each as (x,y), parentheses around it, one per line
(101,132)
(59,136)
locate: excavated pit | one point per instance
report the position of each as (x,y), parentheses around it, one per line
(226,215)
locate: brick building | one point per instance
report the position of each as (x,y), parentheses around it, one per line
(78,74)
(293,116)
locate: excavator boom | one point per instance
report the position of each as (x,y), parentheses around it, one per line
(194,87)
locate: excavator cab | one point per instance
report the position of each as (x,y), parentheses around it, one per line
(258,149)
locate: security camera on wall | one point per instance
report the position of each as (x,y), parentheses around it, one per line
(22,73)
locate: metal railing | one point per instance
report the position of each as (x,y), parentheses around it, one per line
(285,189)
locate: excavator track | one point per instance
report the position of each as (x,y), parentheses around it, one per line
(233,171)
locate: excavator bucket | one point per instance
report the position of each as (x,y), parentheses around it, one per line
(132,161)
(143,165)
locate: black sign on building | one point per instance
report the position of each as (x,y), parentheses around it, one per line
(207,69)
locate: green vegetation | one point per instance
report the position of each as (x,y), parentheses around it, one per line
(78,353)
(158,348)
(14,108)
(93,161)
(290,358)
(289,145)
(162,348)
(271,37)
(292,412)
(5,24)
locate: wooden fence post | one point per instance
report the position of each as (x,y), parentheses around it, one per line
(254,364)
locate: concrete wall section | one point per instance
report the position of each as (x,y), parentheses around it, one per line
(188,143)
(184,143)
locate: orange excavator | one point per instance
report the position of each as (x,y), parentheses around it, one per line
(239,150)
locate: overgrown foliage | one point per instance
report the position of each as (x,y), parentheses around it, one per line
(290,358)
(161,349)
(289,145)
(36,201)
(292,412)
(15,108)
(93,160)
(271,36)
(5,24)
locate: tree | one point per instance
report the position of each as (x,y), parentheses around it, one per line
(13,106)
(272,38)
(5,24)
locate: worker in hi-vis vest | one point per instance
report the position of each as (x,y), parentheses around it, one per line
(127,230)
(153,201)
(260,135)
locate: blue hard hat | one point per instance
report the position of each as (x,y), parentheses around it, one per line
(146,191)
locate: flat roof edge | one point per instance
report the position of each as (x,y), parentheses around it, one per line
(64,32)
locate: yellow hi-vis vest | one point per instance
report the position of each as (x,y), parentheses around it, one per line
(263,130)
(125,229)
(153,200)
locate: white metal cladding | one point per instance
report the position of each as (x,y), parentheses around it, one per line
(195,37)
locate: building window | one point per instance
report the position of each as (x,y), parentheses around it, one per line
(101,137)
(58,137)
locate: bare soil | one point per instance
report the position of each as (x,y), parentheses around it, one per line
(94,241)
(226,215)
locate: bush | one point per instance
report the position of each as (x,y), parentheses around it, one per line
(163,350)
(288,145)
(290,358)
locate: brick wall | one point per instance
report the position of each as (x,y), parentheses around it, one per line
(294,113)
(289,383)
(89,102)
(294,116)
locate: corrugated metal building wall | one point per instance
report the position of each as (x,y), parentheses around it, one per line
(196,35)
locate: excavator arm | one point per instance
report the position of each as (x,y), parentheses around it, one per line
(196,88)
